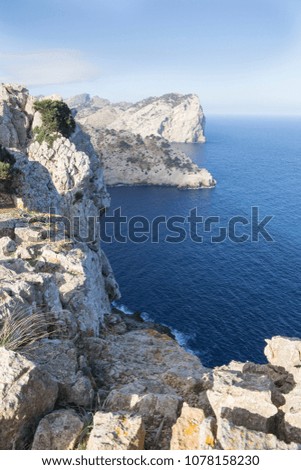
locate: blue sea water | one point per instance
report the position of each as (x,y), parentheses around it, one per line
(223,299)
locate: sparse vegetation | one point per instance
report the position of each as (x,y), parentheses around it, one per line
(56,119)
(20,328)
(5,171)
(124,145)
(6,164)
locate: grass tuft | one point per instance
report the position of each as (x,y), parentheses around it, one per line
(21,328)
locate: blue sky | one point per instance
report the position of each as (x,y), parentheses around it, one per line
(239,56)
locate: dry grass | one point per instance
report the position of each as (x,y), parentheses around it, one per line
(20,328)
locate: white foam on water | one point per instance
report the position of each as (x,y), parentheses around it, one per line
(123,308)
(181,338)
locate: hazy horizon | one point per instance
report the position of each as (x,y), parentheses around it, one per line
(239,57)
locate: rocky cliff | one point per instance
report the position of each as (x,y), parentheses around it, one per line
(135,140)
(175,117)
(128,159)
(75,374)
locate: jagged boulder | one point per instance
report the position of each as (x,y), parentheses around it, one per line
(59,359)
(245,399)
(159,411)
(27,393)
(231,437)
(7,246)
(16,112)
(186,431)
(86,283)
(58,430)
(112,431)
(286,353)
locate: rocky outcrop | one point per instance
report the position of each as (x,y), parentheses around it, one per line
(130,160)
(175,117)
(66,180)
(133,141)
(286,353)
(48,269)
(243,397)
(58,277)
(16,114)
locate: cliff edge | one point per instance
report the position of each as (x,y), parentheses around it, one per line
(77,374)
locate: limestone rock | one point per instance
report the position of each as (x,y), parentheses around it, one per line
(133,140)
(130,160)
(231,437)
(23,289)
(58,430)
(26,395)
(7,246)
(159,412)
(186,431)
(116,432)
(81,392)
(86,284)
(285,352)
(28,234)
(243,398)
(207,435)
(59,359)
(124,359)
(16,111)
(177,118)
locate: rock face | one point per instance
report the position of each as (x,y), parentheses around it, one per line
(232,437)
(134,140)
(66,180)
(130,160)
(186,431)
(286,353)
(116,432)
(243,398)
(175,117)
(59,359)
(16,113)
(26,394)
(154,376)
(50,269)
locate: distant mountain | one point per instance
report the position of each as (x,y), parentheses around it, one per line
(177,118)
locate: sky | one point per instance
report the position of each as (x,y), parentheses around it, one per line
(239,56)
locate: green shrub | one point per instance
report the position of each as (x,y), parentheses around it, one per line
(5,171)
(6,164)
(56,119)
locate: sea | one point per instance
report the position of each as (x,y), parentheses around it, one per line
(238,282)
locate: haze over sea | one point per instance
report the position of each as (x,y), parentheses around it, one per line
(223,299)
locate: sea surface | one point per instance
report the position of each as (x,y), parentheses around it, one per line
(222,299)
